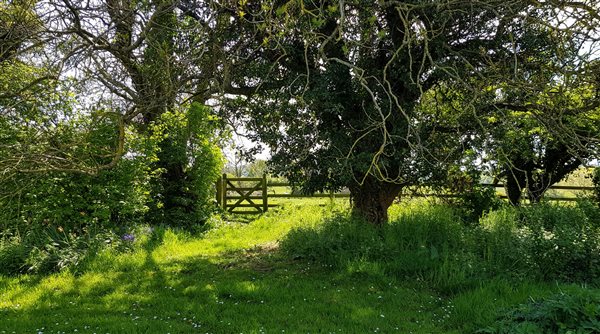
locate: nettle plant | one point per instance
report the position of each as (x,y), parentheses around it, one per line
(577,312)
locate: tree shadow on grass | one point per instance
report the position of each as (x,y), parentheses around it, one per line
(248,291)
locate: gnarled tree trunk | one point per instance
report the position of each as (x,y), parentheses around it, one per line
(558,162)
(515,183)
(371,199)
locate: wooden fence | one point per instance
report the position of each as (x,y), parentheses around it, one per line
(250,195)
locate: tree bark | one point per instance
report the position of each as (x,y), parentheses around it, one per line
(515,182)
(558,162)
(371,199)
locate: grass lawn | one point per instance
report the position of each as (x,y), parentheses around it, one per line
(233,279)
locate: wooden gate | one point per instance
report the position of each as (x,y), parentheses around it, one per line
(247,193)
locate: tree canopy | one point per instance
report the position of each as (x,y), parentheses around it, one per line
(343,84)
(373,96)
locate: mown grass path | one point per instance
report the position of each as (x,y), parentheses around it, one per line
(233,280)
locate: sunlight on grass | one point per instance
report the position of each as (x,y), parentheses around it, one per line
(233,279)
(233,236)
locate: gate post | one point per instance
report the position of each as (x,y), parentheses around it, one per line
(219,194)
(265,197)
(224,191)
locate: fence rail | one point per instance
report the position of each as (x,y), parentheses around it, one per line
(253,192)
(418,193)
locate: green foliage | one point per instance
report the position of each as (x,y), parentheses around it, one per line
(543,241)
(473,199)
(19,24)
(46,249)
(478,201)
(188,164)
(432,244)
(426,244)
(73,199)
(54,221)
(387,99)
(55,197)
(347,121)
(566,313)
(257,168)
(562,242)
(68,178)
(524,147)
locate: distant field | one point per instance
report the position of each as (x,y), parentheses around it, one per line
(579,178)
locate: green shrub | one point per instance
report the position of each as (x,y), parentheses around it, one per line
(74,200)
(187,166)
(562,242)
(44,250)
(577,312)
(78,195)
(476,202)
(590,210)
(13,255)
(54,220)
(472,199)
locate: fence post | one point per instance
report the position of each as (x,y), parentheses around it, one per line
(220,192)
(224,191)
(265,197)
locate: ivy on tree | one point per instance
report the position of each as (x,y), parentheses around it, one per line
(341,86)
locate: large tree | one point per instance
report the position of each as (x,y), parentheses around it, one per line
(530,154)
(139,62)
(541,116)
(341,86)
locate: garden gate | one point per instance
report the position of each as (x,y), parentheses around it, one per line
(248,193)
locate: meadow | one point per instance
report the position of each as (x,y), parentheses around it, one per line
(308,267)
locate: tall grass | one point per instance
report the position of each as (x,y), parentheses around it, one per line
(431,243)
(426,244)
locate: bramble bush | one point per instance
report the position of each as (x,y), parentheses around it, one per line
(543,241)
(51,221)
(74,199)
(562,242)
(476,202)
